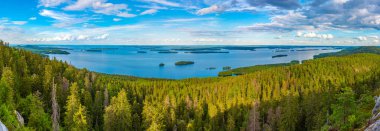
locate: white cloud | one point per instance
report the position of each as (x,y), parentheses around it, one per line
(207,40)
(56,15)
(69,37)
(361,38)
(283,23)
(33,18)
(188,20)
(19,22)
(149,11)
(116,19)
(83,37)
(80,34)
(208,10)
(62,19)
(51,3)
(126,15)
(314,35)
(80,5)
(102,37)
(164,2)
(101,7)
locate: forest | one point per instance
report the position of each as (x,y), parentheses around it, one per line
(331,93)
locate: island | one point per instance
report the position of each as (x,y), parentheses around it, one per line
(211,68)
(207,52)
(94,50)
(44,51)
(161,65)
(276,56)
(227,68)
(167,52)
(141,52)
(180,63)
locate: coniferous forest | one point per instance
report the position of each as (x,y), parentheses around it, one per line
(332,93)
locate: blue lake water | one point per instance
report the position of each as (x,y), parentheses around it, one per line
(126,60)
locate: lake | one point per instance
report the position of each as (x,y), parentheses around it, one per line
(143,61)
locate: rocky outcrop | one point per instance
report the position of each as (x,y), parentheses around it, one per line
(3,127)
(374,122)
(19,118)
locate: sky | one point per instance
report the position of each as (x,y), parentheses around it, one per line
(191,22)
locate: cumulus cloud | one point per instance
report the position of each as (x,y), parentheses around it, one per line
(148,12)
(372,38)
(249,5)
(101,7)
(282,23)
(326,15)
(69,37)
(314,35)
(51,3)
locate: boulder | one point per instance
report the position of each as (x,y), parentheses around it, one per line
(3,127)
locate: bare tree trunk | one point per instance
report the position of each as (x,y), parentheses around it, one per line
(106,99)
(254,115)
(55,108)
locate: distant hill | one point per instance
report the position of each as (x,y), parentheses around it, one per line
(251,69)
(353,50)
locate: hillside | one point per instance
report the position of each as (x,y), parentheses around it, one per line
(251,69)
(327,93)
(350,51)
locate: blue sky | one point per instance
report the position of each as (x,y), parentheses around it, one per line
(199,22)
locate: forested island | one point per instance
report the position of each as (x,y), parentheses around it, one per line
(331,93)
(181,63)
(251,69)
(44,51)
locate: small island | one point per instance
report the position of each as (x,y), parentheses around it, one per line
(94,50)
(211,68)
(44,51)
(161,65)
(227,68)
(180,63)
(167,52)
(141,52)
(276,56)
(207,52)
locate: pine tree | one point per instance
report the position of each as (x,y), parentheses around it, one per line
(118,115)
(75,115)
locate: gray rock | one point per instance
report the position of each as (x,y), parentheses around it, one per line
(19,118)
(375,119)
(3,127)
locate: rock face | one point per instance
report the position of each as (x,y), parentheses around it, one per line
(3,127)
(19,118)
(374,122)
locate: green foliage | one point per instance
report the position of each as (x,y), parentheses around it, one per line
(118,115)
(75,115)
(38,119)
(252,69)
(307,96)
(350,51)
